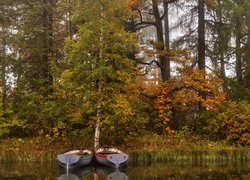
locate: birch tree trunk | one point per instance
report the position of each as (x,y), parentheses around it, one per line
(99,86)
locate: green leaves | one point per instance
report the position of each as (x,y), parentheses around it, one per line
(13,127)
(99,57)
(231,123)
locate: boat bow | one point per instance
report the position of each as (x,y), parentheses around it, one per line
(117,159)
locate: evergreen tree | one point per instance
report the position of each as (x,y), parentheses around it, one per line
(6,32)
(247,46)
(34,48)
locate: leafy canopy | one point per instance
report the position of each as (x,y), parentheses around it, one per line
(99,57)
(186,93)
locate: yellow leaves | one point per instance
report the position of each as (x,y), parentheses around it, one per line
(187,93)
(59,131)
(56,132)
(165,120)
(76,116)
(122,104)
(161,51)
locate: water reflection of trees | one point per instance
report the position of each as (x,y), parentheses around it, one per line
(142,171)
(28,170)
(93,172)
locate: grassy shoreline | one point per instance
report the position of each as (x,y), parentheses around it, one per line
(149,148)
(192,157)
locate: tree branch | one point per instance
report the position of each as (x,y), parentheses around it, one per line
(150,63)
(167,2)
(140,15)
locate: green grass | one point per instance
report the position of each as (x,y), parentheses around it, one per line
(183,149)
(149,148)
(194,156)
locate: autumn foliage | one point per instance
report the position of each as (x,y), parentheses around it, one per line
(187,94)
(231,123)
(135,5)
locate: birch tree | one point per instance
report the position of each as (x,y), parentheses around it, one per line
(99,67)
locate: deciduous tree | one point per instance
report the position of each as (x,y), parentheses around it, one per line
(179,99)
(99,68)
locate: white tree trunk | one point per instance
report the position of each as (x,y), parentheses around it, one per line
(98,113)
(98,119)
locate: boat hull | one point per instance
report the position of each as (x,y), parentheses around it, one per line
(71,160)
(111,157)
(83,161)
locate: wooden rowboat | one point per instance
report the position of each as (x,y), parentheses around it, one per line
(111,157)
(75,158)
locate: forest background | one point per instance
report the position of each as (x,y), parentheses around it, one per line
(67,63)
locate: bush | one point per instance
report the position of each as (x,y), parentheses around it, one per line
(13,128)
(231,123)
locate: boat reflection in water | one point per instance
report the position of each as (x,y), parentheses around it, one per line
(97,172)
(105,172)
(68,176)
(75,174)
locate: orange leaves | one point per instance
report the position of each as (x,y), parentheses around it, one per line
(135,5)
(187,93)
(210,3)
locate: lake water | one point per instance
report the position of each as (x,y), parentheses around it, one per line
(145,171)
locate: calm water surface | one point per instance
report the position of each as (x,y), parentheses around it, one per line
(149,171)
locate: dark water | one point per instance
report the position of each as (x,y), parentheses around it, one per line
(150,172)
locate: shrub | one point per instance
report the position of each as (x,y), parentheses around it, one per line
(231,123)
(13,128)
(179,100)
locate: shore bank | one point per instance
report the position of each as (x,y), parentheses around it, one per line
(149,148)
